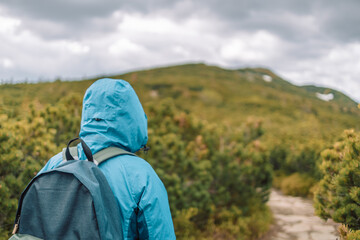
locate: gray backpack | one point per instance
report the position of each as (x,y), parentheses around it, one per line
(71,201)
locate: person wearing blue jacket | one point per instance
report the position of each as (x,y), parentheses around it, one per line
(112,116)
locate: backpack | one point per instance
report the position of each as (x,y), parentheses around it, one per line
(71,201)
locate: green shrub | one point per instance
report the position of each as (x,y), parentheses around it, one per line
(24,147)
(338,195)
(205,167)
(348,234)
(184,226)
(297,184)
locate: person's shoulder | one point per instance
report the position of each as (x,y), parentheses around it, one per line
(138,168)
(52,163)
(132,165)
(137,172)
(136,162)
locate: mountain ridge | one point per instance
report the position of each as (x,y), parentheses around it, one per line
(214,94)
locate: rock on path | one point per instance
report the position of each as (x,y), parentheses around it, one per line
(295,220)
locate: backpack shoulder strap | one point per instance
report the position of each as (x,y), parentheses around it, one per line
(100,156)
(109,152)
(73,152)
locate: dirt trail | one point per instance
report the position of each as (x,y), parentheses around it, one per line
(295,220)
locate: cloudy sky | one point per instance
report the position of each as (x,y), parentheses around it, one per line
(307,41)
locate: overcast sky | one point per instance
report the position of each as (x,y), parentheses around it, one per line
(305,42)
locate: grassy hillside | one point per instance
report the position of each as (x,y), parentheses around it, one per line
(217,95)
(234,96)
(339,97)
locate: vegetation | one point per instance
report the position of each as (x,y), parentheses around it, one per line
(216,137)
(212,178)
(338,195)
(296,184)
(216,183)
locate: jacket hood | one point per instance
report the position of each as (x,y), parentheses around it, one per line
(112,116)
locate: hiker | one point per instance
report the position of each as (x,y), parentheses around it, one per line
(112,116)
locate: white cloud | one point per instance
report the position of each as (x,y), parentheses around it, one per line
(6,63)
(152,40)
(292,43)
(258,47)
(8,25)
(76,47)
(123,46)
(339,68)
(140,23)
(181,51)
(344,53)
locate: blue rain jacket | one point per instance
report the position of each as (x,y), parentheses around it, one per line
(112,115)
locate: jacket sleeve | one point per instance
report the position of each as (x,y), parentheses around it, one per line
(154,218)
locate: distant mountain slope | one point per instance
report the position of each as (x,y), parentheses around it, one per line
(217,95)
(282,84)
(339,97)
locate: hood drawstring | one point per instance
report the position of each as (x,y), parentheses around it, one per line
(146,149)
